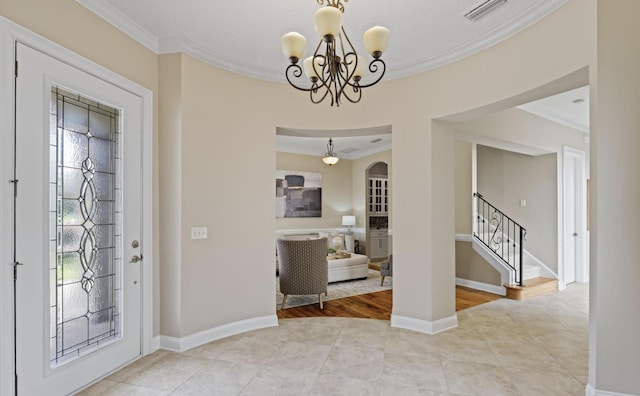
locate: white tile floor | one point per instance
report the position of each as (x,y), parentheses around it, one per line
(505,347)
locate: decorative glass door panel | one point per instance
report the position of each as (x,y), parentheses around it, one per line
(78,162)
(85,225)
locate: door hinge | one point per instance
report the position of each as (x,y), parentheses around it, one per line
(16,68)
(15,269)
(15,186)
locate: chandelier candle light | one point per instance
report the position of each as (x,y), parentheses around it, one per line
(334,70)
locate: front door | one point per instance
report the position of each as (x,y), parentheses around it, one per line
(78,220)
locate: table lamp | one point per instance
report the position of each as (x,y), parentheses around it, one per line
(349,221)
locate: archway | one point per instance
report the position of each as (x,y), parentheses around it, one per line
(342,195)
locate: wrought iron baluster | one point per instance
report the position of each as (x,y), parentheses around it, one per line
(493,231)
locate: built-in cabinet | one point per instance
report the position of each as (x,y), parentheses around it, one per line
(378,244)
(377,216)
(378,196)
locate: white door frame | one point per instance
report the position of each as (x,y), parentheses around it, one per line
(10,33)
(580,207)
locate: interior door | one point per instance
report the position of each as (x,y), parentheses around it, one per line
(570,225)
(78,214)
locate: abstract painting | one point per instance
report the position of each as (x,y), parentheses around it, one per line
(298,194)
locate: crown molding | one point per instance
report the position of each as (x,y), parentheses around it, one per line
(122,22)
(180,45)
(481,43)
(220,60)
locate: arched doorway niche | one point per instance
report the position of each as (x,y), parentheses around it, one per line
(377,212)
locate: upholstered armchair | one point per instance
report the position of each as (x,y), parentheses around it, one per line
(386,268)
(303,267)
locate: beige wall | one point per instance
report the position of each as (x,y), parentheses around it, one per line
(515,126)
(170,150)
(471,266)
(215,105)
(227,186)
(504,178)
(442,222)
(615,268)
(227,147)
(463,190)
(337,182)
(424,253)
(76,28)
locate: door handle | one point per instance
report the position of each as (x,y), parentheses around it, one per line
(575,234)
(135,259)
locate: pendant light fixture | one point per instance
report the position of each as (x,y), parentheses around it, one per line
(334,70)
(330,158)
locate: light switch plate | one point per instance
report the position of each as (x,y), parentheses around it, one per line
(198,232)
(523,203)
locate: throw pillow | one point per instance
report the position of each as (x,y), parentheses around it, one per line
(325,235)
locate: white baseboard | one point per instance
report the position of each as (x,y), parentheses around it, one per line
(495,289)
(170,344)
(424,326)
(591,391)
(154,345)
(561,285)
(182,344)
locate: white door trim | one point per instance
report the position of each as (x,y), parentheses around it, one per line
(6,205)
(580,177)
(10,33)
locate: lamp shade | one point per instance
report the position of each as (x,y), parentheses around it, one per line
(309,68)
(330,159)
(293,45)
(348,220)
(376,39)
(360,68)
(328,21)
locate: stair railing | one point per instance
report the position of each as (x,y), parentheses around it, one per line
(501,234)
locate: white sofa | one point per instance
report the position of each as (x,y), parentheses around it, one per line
(355,267)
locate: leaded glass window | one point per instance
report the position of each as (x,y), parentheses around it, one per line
(85,226)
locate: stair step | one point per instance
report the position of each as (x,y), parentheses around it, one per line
(532,288)
(530,271)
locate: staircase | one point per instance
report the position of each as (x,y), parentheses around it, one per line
(500,241)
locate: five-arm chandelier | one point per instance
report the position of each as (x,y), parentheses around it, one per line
(334,70)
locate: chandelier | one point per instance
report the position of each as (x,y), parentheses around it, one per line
(330,158)
(334,70)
